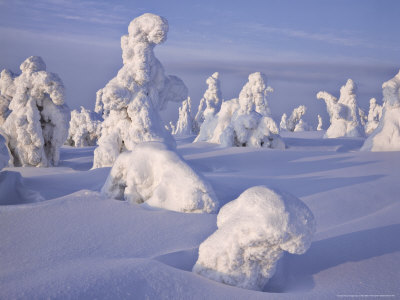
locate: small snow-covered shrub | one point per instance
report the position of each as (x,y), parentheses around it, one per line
(374,115)
(37,125)
(5,156)
(153,174)
(386,137)
(130,102)
(253,231)
(185,124)
(245,121)
(84,128)
(343,113)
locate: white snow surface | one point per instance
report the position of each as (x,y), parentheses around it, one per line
(130,102)
(159,177)
(253,231)
(374,115)
(343,112)
(186,123)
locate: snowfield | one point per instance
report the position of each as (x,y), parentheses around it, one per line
(61,238)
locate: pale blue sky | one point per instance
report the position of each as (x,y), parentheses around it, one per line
(302,46)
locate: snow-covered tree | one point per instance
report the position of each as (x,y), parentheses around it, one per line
(374,115)
(84,128)
(7,91)
(38,123)
(386,137)
(171,127)
(245,121)
(5,155)
(185,124)
(302,126)
(295,117)
(160,177)
(253,231)
(283,123)
(211,102)
(363,117)
(343,113)
(131,101)
(319,126)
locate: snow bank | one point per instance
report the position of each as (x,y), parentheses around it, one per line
(130,101)
(153,174)
(343,113)
(186,123)
(253,231)
(374,115)
(84,128)
(245,121)
(386,136)
(38,123)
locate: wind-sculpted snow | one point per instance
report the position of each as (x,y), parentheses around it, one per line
(159,177)
(386,137)
(37,125)
(84,128)
(186,123)
(130,101)
(253,231)
(374,115)
(343,113)
(245,121)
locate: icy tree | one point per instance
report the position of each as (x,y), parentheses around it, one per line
(295,117)
(374,115)
(211,102)
(343,113)
(185,124)
(38,123)
(159,177)
(253,231)
(131,101)
(7,90)
(386,137)
(84,128)
(319,127)
(283,123)
(5,155)
(245,121)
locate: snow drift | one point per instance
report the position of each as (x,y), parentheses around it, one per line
(37,125)
(130,101)
(84,128)
(153,174)
(253,231)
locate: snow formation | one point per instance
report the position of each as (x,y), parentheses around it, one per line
(343,113)
(245,121)
(374,115)
(253,231)
(84,128)
(283,123)
(319,126)
(185,124)
(386,137)
(153,174)
(37,125)
(4,151)
(130,101)
(295,117)
(7,90)
(302,126)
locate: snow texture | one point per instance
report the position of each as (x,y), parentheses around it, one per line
(84,128)
(7,90)
(159,177)
(5,155)
(386,137)
(319,126)
(245,121)
(374,115)
(186,124)
(253,231)
(131,101)
(38,123)
(343,113)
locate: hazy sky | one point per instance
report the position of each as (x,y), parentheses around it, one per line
(302,46)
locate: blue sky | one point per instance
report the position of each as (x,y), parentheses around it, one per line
(302,46)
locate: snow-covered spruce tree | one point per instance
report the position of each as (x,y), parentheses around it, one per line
(7,90)
(5,155)
(84,128)
(38,123)
(253,231)
(245,121)
(283,123)
(374,115)
(130,102)
(302,126)
(295,117)
(185,124)
(386,137)
(343,113)
(363,117)
(319,126)
(211,102)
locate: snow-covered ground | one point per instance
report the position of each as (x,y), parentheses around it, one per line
(62,239)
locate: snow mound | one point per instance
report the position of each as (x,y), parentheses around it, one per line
(38,123)
(84,128)
(386,136)
(5,155)
(153,174)
(253,231)
(343,113)
(374,115)
(131,101)
(245,121)
(185,125)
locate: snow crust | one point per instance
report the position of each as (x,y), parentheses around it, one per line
(159,177)
(186,123)
(386,137)
(374,115)
(343,112)
(130,102)
(37,124)
(253,231)
(84,128)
